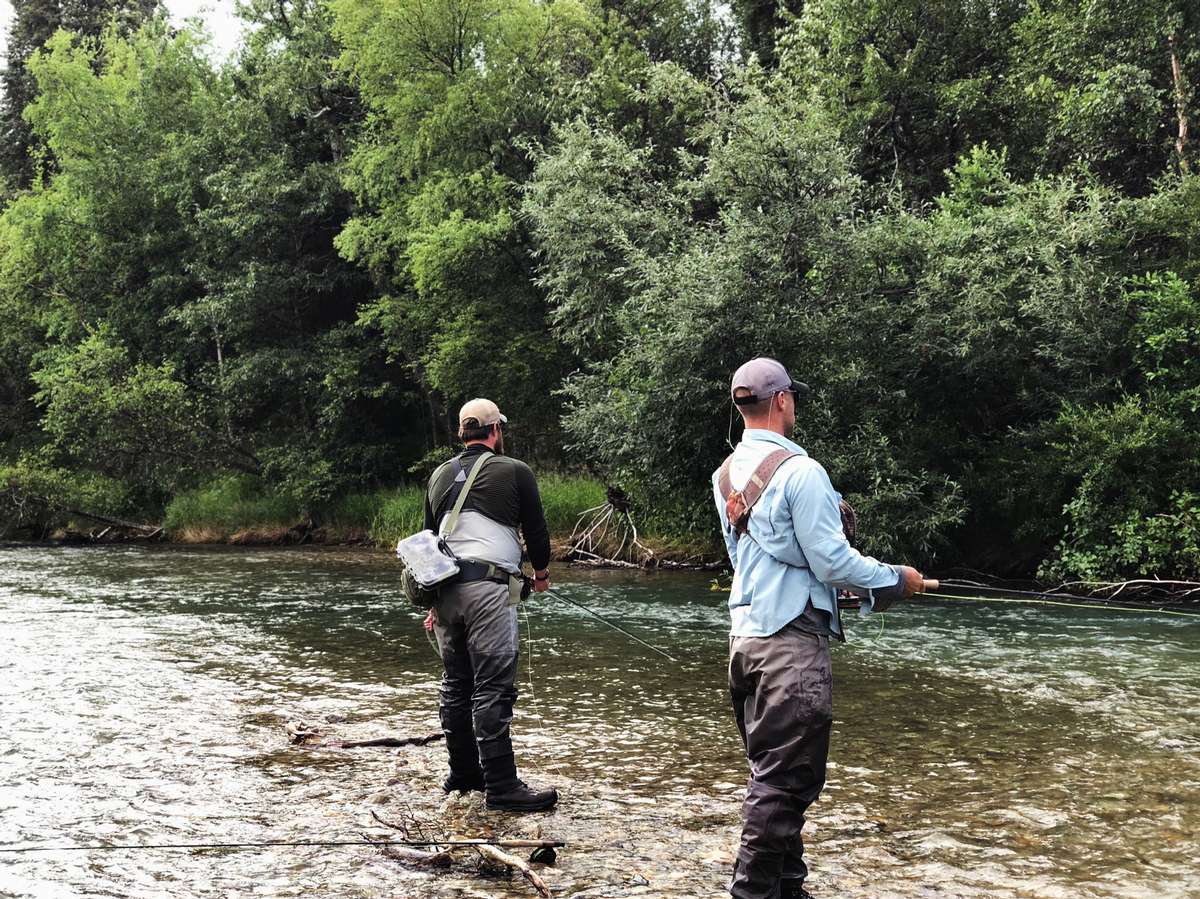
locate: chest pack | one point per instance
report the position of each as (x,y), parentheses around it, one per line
(739,503)
(426,561)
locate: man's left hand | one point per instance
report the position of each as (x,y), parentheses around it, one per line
(911,580)
(541,581)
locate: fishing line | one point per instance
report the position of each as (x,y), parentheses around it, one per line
(432,639)
(537,706)
(1049,595)
(1095,606)
(613,625)
(285,843)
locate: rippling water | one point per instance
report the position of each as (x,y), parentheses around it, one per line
(979,750)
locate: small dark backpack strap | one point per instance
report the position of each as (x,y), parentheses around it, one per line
(738,504)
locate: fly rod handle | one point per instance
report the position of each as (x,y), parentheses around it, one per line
(932,585)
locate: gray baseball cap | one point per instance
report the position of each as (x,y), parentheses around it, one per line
(764,378)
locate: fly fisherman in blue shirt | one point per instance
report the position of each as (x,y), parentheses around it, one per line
(790,557)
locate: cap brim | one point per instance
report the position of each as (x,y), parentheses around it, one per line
(801,389)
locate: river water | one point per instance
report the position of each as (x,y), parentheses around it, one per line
(979,750)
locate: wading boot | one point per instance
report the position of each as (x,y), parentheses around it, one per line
(521,798)
(508,793)
(463,782)
(793,889)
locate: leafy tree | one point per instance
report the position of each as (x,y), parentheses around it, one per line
(911,85)
(1136,509)
(686,296)
(458,92)
(1106,82)
(98,250)
(693,34)
(914,85)
(209,264)
(35,22)
(761,22)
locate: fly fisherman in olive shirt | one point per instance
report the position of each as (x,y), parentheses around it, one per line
(475,619)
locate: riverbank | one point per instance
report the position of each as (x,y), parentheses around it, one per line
(238,511)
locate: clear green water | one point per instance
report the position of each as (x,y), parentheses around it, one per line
(979,750)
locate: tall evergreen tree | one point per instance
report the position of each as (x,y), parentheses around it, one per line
(34,22)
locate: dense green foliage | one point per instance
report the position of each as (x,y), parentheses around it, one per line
(236,505)
(260,289)
(34,23)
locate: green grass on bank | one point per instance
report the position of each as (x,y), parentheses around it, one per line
(227,505)
(564,497)
(237,507)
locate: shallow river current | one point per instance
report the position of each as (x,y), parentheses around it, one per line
(979,750)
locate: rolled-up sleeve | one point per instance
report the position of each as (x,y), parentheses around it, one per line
(818,527)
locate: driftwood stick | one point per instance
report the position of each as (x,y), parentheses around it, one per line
(400,827)
(579,521)
(388,741)
(514,843)
(511,861)
(439,858)
(305,734)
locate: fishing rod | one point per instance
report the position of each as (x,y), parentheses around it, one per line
(1030,597)
(1014,591)
(502,844)
(613,625)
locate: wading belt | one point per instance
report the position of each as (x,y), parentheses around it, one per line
(470,571)
(738,503)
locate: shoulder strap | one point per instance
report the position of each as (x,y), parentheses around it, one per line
(462,495)
(724,484)
(738,504)
(762,475)
(758,480)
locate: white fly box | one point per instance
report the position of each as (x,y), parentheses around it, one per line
(424,556)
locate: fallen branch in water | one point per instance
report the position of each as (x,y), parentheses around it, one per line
(443,850)
(440,858)
(511,861)
(389,741)
(305,734)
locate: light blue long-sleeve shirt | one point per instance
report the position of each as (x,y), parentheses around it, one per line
(795,551)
